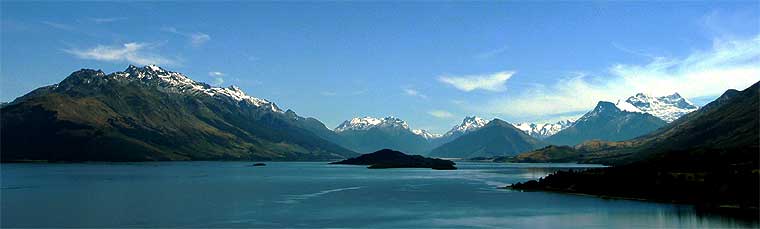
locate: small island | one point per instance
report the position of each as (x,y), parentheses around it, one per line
(386,158)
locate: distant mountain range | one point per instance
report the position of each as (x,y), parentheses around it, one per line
(668,108)
(544,130)
(726,124)
(164,115)
(368,134)
(497,138)
(707,157)
(607,122)
(149,113)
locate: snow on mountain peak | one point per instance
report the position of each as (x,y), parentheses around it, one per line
(425,134)
(469,123)
(181,83)
(155,68)
(544,130)
(626,106)
(368,122)
(668,108)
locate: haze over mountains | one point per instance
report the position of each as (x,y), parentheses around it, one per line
(164,115)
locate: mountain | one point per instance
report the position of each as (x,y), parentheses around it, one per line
(723,131)
(607,122)
(470,123)
(707,157)
(148,113)
(368,134)
(544,130)
(497,138)
(668,108)
(425,134)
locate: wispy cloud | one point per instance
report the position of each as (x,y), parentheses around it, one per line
(488,82)
(728,64)
(492,53)
(60,26)
(133,52)
(632,51)
(218,78)
(218,81)
(414,93)
(196,38)
(440,114)
(328,93)
(107,19)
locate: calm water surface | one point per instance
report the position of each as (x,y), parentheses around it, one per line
(312,194)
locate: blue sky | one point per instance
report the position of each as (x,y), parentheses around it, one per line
(429,63)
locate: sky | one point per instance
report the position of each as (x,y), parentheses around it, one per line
(428,63)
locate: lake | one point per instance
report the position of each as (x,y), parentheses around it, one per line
(313,194)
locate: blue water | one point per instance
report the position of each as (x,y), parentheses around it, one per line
(312,194)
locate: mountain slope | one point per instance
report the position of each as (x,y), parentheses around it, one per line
(370,134)
(607,122)
(152,114)
(497,138)
(708,157)
(721,130)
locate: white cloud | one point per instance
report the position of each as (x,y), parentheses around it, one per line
(133,52)
(415,93)
(440,114)
(107,19)
(730,64)
(328,93)
(196,38)
(488,82)
(218,79)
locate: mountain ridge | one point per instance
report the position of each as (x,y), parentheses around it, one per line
(149,113)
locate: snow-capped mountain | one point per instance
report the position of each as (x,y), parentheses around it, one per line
(468,124)
(609,122)
(148,113)
(369,134)
(496,138)
(425,134)
(367,122)
(177,82)
(544,130)
(668,108)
